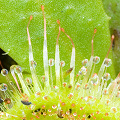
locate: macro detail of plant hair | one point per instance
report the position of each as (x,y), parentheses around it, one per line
(78,17)
(80,88)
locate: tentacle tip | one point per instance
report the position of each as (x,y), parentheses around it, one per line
(31,17)
(62,29)
(112,38)
(95,30)
(119,74)
(58,21)
(42,7)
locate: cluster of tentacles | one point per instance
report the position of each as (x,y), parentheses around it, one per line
(85,96)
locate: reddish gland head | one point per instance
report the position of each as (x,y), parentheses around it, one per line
(112,38)
(95,30)
(63,103)
(58,21)
(73,105)
(43,106)
(42,7)
(106,114)
(62,29)
(97,112)
(31,17)
(7,101)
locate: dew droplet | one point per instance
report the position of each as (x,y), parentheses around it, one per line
(64,84)
(4,72)
(107,102)
(43,78)
(29,81)
(11,83)
(81,108)
(32,107)
(73,105)
(96,59)
(56,88)
(3,87)
(94,79)
(63,104)
(49,110)
(51,62)
(67,112)
(74,114)
(86,86)
(18,69)
(43,106)
(37,94)
(106,76)
(105,91)
(107,62)
(33,64)
(90,100)
(83,71)
(54,106)
(45,97)
(7,101)
(50,114)
(62,63)
(85,62)
(113,109)
(70,96)
(77,86)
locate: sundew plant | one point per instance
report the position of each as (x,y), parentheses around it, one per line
(89,93)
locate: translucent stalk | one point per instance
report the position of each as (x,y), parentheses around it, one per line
(57,60)
(31,59)
(45,53)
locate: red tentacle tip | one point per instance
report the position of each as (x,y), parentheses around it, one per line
(58,21)
(95,30)
(119,74)
(112,38)
(62,29)
(31,17)
(42,7)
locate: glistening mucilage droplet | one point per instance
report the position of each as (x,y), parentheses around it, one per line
(86,96)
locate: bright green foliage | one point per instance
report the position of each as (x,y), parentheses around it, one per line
(79,18)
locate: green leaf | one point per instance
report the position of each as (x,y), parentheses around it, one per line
(77,17)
